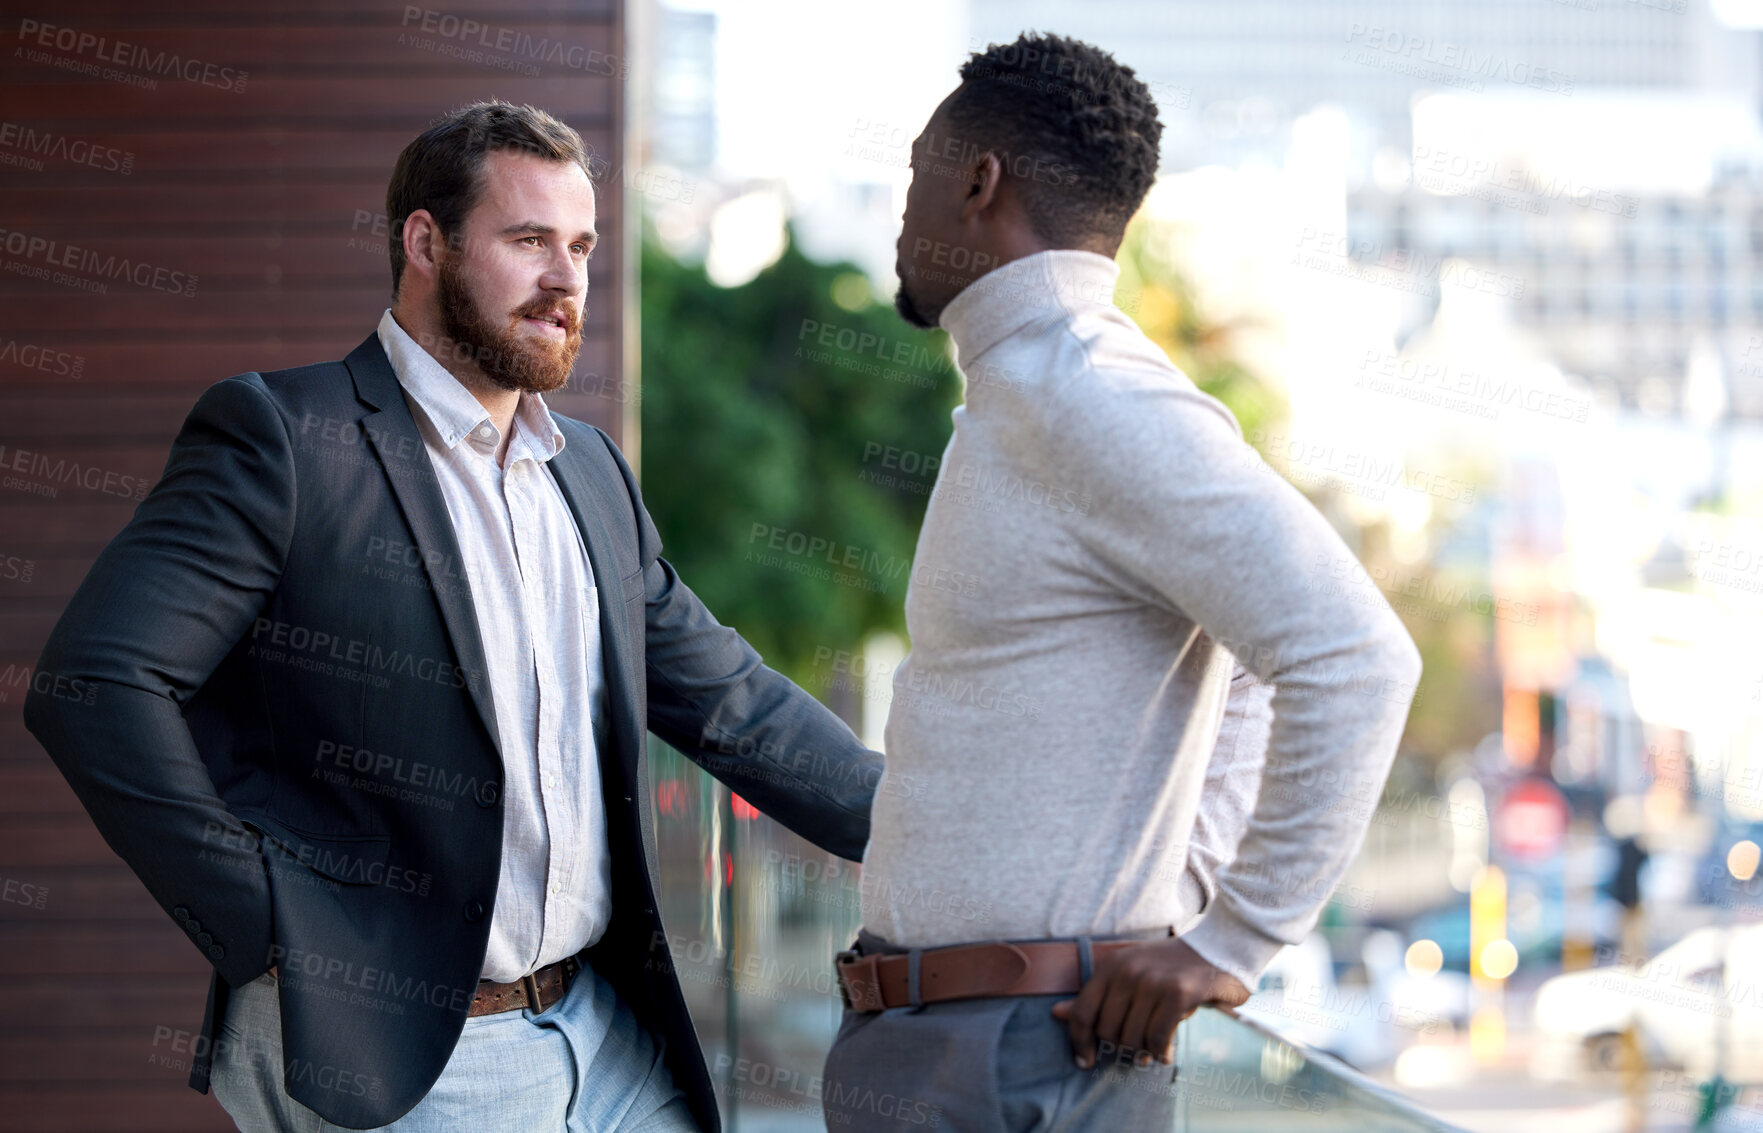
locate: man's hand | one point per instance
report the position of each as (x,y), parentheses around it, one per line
(1138,996)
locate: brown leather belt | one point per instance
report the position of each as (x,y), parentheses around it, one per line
(539,990)
(968,971)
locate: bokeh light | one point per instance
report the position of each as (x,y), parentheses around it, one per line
(1499,959)
(1741,860)
(1424,959)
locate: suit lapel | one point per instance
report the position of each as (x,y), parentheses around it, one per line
(394,436)
(584,490)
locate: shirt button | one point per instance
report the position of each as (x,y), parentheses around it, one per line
(483,431)
(474,911)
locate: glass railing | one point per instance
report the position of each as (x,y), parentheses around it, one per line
(755,914)
(1237,1074)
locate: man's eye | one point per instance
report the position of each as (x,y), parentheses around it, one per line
(534,239)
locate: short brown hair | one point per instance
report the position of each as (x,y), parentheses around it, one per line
(439,170)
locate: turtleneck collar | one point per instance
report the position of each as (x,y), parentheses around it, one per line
(1006,299)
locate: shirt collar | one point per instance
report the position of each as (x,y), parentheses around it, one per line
(454,411)
(1062,281)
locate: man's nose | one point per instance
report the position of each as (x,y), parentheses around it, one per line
(564,279)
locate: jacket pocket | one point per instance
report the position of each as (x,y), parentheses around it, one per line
(352,860)
(633,585)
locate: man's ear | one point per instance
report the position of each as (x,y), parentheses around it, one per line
(422,239)
(983,188)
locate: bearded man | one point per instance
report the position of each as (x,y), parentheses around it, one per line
(369,674)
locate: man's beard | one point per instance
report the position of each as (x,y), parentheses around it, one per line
(907,309)
(508,359)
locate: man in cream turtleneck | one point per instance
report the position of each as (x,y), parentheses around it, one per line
(1151,743)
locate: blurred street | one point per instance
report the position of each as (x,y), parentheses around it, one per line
(1485,283)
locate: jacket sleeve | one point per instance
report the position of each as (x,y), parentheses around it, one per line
(161,607)
(712,697)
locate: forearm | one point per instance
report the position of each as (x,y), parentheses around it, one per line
(1337,721)
(1197,520)
(1233,780)
(161,607)
(712,697)
(130,760)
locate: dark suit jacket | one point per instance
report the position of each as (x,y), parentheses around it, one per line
(270,695)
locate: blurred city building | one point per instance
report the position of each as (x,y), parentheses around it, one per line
(1232,78)
(1501,260)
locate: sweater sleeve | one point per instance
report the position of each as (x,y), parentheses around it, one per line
(1233,779)
(1186,515)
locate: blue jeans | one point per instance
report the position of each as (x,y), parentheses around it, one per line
(583,1065)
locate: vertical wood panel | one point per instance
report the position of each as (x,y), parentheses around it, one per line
(235,156)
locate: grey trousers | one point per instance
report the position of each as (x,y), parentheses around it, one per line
(997,1065)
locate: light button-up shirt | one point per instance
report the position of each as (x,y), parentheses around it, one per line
(538,613)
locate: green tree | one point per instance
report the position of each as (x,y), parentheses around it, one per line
(777,417)
(1155,293)
(789,427)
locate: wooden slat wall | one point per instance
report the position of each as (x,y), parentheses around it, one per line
(267,196)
